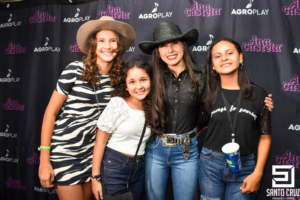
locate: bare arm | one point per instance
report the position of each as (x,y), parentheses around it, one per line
(101,140)
(46,173)
(252,182)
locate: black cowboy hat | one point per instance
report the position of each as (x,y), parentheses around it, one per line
(166,31)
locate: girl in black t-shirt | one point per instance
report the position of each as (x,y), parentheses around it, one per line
(226,73)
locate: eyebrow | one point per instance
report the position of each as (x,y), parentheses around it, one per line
(106,38)
(141,77)
(225,51)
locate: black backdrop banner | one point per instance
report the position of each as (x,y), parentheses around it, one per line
(38,42)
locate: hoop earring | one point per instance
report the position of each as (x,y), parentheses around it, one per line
(214,73)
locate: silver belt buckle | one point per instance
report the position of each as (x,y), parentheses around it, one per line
(170,140)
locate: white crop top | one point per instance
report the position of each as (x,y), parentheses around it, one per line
(125,125)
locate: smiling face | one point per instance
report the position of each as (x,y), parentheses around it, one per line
(138,83)
(107,41)
(226,58)
(172,52)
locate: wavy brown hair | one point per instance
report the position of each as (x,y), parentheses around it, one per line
(120,89)
(159,98)
(214,82)
(90,69)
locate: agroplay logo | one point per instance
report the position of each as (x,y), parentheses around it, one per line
(76,19)
(41,17)
(46,47)
(8,159)
(8,78)
(15,49)
(296,50)
(116,13)
(292,9)
(203,10)
(261,45)
(10,22)
(7,134)
(249,11)
(155,15)
(293,85)
(295,127)
(204,48)
(131,49)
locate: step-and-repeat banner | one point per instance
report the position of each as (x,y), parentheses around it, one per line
(37,44)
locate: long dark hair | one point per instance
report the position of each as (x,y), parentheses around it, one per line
(159,98)
(214,82)
(120,89)
(90,69)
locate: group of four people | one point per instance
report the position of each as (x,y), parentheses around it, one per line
(96,115)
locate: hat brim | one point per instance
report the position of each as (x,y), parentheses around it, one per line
(88,29)
(190,37)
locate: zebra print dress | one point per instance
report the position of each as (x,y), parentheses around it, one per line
(75,127)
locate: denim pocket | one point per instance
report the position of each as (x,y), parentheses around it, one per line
(207,154)
(154,143)
(112,164)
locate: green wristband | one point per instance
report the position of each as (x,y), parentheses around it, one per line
(44,147)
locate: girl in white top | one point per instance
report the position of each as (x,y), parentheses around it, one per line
(120,128)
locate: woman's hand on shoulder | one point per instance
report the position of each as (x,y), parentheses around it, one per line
(269,102)
(251,183)
(97,189)
(46,175)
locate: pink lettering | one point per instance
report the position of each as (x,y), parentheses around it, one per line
(14,184)
(74,48)
(293,85)
(292,9)
(288,159)
(202,10)
(15,49)
(34,159)
(263,45)
(40,17)
(12,105)
(116,13)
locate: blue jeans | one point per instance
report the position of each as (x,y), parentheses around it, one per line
(116,168)
(160,160)
(217,182)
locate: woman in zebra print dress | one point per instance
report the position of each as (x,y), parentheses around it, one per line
(69,124)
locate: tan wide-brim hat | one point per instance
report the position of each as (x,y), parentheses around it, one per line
(88,29)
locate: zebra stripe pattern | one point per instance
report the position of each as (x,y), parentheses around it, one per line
(75,127)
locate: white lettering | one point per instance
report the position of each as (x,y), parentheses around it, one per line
(296,50)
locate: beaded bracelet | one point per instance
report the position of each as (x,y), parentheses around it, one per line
(44,147)
(96,177)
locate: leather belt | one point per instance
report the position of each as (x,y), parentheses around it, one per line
(172,140)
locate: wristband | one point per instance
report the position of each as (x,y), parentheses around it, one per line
(44,147)
(96,177)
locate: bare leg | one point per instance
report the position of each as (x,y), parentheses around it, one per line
(87,191)
(70,192)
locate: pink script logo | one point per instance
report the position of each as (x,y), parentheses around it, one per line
(292,85)
(116,13)
(205,10)
(263,45)
(12,105)
(40,17)
(15,49)
(34,159)
(74,48)
(14,184)
(292,9)
(288,159)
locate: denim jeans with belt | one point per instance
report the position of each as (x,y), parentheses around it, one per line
(116,168)
(160,160)
(217,182)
